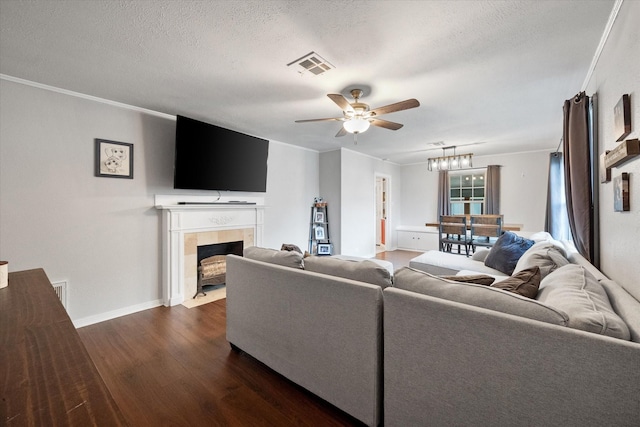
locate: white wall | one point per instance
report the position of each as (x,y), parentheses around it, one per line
(522,197)
(330,182)
(356,235)
(102,235)
(617,73)
(524,180)
(419,195)
(291,186)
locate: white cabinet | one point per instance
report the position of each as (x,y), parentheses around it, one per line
(417,238)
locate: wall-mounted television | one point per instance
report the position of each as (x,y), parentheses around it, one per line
(210,157)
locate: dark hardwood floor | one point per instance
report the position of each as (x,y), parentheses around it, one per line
(173,366)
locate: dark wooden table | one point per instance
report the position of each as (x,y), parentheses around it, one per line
(505,227)
(47,376)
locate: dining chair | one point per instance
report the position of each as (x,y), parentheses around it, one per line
(453,232)
(484,230)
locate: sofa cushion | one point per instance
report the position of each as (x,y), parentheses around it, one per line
(478,279)
(291,259)
(525,282)
(625,306)
(448,264)
(506,252)
(545,255)
(477,295)
(381,262)
(576,292)
(361,270)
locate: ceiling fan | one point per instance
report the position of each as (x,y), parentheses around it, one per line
(357,116)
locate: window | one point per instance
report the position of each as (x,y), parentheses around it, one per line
(467,192)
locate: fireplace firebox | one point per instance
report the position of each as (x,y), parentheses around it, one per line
(212,263)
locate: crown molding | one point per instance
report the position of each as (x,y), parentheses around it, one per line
(87,97)
(603,40)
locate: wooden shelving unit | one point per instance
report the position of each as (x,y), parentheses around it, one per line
(319,241)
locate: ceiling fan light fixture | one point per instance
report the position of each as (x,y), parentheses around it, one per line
(356,125)
(357,116)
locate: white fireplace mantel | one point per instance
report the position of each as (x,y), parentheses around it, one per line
(200,214)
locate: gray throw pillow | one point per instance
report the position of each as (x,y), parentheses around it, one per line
(545,255)
(480,255)
(576,292)
(506,252)
(290,247)
(291,259)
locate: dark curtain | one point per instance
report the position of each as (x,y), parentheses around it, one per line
(577,173)
(556,221)
(444,193)
(492,187)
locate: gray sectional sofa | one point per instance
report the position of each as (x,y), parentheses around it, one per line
(443,351)
(320,331)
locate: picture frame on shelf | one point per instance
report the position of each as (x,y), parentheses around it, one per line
(113,159)
(319,217)
(319,233)
(621,193)
(324,249)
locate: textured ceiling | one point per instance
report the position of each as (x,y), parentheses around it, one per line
(489,72)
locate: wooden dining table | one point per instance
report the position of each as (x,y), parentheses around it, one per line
(505,227)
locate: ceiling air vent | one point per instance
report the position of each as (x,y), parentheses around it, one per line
(435,144)
(312,63)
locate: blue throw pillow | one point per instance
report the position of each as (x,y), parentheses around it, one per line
(506,252)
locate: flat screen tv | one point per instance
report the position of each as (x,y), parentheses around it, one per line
(209,157)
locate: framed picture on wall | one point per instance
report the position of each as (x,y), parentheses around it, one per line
(622,117)
(113,159)
(621,193)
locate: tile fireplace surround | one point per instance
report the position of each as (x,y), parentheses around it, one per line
(207,220)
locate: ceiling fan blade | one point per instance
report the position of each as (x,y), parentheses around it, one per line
(341,132)
(341,101)
(392,108)
(385,124)
(332,119)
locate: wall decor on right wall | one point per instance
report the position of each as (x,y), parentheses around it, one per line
(622,117)
(605,172)
(624,152)
(621,193)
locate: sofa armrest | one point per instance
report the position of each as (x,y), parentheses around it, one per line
(322,332)
(447,363)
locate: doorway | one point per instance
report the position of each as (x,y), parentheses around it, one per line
(382,210)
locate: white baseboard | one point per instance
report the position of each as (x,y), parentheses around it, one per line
(90,320)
